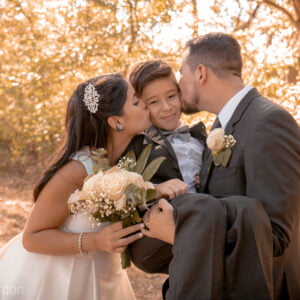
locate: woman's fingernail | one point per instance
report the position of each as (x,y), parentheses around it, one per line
(142,225)
(140,235)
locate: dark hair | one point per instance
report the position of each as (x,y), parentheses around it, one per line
(84,128)
(145,72)
(218,51)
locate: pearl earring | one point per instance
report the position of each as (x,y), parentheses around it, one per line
(119,128)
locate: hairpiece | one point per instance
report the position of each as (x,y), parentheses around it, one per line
(91,98)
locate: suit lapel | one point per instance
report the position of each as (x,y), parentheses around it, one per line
(207,160)
(241,108)
(205,169)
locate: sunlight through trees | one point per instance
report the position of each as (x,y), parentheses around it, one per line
(48,47)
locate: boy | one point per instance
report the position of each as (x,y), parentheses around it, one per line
(155,84)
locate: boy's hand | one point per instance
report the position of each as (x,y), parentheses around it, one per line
(172,188)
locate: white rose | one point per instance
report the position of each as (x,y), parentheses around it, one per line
(149,185)
(74,197)
(93,184)
(138,180)
(121,202)
(114,183)
(135,178)
(215,139)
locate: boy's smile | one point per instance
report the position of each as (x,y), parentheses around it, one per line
(163,100)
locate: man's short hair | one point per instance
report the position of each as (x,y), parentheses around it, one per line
(218,51)
(145,72)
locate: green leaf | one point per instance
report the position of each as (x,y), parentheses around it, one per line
(151,194)
(218,158)
(152,168)
(136,217)
(135,195)
(127,221)
(131,155)
(95,169)
(100,160)
(111,218)
(142,160)
(226,158)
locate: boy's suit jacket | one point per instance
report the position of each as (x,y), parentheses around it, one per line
(152,255)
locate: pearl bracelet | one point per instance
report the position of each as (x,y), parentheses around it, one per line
(80,244)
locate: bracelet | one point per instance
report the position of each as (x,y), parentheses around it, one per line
(80,244)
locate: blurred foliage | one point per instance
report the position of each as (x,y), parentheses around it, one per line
(269,32)
(48,47)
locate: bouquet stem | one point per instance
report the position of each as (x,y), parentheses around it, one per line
(125,258)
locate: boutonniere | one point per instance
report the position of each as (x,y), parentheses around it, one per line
(220,145)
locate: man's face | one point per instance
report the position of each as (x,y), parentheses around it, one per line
(162,98)
(187,87)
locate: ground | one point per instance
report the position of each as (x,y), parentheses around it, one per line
(15,206)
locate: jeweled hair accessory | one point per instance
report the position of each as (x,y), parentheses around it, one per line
(91,98)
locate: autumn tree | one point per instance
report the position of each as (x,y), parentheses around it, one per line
(270,34)
(48,47)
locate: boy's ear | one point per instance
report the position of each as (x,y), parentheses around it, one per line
(114,122)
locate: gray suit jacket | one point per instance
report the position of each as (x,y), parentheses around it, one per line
(265,165)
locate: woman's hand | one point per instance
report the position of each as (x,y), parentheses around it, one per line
(172,188)
(160,222)
(114,238)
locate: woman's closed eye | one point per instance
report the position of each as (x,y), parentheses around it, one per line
(136,103)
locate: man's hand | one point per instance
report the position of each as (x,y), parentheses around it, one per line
(160,222)
(172,188)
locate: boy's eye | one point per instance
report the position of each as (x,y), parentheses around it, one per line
(152,102)
(172,96)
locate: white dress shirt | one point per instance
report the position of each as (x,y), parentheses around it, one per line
(188,151)
(227,111)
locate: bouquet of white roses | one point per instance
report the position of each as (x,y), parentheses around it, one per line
(117,193)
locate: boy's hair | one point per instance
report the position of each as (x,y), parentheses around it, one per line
(218,51)
(145,72)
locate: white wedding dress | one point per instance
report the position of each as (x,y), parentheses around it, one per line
(32,276)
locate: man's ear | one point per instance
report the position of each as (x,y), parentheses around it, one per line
(201,74)
(114,122)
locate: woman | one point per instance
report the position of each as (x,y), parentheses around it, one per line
(62,256)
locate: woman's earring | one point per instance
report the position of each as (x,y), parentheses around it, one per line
(119,128)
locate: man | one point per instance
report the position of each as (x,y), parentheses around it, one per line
(243,242)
